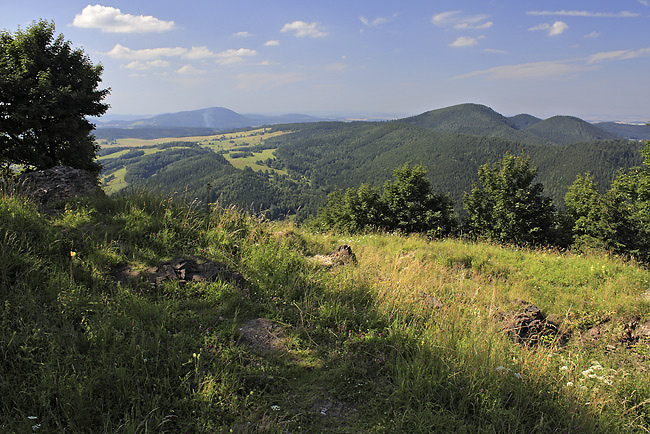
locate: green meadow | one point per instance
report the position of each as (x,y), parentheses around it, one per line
(411,339)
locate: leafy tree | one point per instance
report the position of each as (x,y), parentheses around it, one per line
(507,206)
(619,220)
(406,204)
(584,205)
(413,207)
(47,88)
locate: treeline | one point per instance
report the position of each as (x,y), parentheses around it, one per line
(342,155)
(199,174)
(506,205)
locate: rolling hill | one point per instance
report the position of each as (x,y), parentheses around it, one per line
(565,130)
(524,121)
(474,119)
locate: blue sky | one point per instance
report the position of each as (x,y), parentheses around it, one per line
(586,58)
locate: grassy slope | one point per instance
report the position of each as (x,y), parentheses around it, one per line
(367,351)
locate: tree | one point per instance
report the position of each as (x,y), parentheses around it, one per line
(507,206)
(619,220)
(412,206)
(47,88)
(406,205)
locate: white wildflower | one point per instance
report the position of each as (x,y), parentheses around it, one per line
(564,368)
(275,407)
(569,383)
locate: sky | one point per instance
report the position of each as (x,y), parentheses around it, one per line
(585,58)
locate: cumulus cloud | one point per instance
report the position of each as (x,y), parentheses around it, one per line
(458,20)
(557,28)
(202,52)
(194,53)
(122,52)
(588,14)
(141,66)
(302,29)
(234,56)
(190,70)
(112,20)
(242,35)
(464,41)
(271,43)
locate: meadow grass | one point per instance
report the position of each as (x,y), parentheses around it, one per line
(407,341)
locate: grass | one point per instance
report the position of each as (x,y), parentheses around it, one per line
(407,341)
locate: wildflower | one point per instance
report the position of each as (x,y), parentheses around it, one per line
(275,407)
(608,382)
(73,254)
(32,417)
(564,368)
(569,383)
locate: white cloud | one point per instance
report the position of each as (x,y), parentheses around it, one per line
(190,70)
(464,41)
(458,21)
(609,56)
(377,22)
(112,20)
(593,34)
(263,80)
(141,66)
(495,51)
(588,14)
(532,71)
(302,29)
(198,53)
(556,68)
(234,56)
(645,3)
(122,52)
(271,43)
(557,28)
(242,35)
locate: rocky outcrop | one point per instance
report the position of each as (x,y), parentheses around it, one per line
(53,186)
(342,255)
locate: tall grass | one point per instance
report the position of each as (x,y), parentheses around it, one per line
(407,341)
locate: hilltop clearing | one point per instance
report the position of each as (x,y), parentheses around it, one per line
(138,311)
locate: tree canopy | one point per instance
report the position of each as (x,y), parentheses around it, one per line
(47,88)
(406,205)
(507,206)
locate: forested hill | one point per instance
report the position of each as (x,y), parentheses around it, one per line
(344,155)
(294,166)
(565,130)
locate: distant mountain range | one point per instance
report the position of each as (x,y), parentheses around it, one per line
(474,119)
(215,118)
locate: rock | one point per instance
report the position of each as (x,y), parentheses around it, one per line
(53,186)
(181,269)
(342,255)
(528,324)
